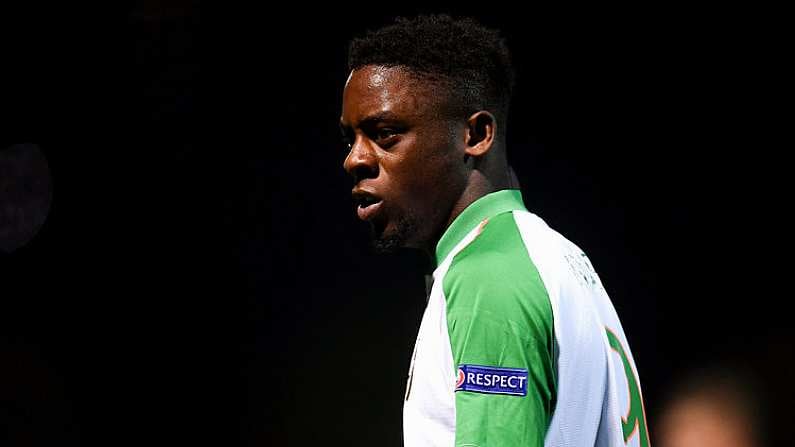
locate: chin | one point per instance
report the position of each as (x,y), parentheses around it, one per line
(386,245)
(390,238)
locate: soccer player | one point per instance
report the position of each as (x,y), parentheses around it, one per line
(519,344)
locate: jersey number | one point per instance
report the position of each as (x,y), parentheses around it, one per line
(636,417)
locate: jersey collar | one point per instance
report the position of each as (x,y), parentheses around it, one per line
(485,207)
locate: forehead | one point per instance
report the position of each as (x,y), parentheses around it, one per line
(375,90)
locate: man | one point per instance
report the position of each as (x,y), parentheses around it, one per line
(519,343)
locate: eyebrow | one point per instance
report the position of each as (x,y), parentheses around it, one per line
(373,119)
(380,116)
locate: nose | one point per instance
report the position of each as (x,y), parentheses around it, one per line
(361,162)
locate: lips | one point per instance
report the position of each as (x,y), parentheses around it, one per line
(368,204)
(369,211)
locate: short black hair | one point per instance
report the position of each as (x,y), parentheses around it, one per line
(472,61)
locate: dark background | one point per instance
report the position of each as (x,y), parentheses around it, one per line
(202,276)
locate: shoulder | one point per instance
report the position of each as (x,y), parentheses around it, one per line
(494,278)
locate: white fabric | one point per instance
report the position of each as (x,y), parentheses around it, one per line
(592,390)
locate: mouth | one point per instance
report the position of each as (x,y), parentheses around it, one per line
(368,204)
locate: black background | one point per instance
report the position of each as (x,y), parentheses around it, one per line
(202,275)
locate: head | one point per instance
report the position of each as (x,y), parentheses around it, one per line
(717,407)
(423,113)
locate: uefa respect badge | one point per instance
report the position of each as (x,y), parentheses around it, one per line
(492,380)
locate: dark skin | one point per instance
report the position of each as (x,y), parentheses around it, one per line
(415,167)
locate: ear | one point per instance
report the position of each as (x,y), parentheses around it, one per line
(481,131)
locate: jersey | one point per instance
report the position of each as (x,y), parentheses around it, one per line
(519,344)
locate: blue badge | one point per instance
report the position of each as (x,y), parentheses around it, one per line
(492,380)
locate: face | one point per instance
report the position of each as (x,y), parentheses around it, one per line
(406,158)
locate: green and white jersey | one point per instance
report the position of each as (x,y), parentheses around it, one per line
(519,344)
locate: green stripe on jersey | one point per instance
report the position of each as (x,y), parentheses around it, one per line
(499,314)
(487,206)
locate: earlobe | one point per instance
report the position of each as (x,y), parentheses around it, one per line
(482,129)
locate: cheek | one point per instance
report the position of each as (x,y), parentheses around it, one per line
(435,183)
(438,156)
(428,173)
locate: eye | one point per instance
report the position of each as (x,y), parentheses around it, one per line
(346,138)
(347,142)
(386,137)
(385,133)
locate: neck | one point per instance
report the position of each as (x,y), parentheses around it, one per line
(478,185)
